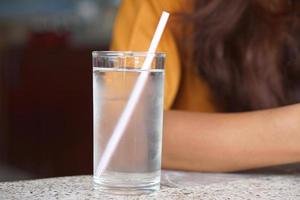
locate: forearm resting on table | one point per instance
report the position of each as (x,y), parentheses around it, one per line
(231,142)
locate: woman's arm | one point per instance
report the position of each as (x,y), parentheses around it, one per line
(231,142)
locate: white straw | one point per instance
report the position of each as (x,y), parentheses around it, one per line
(133,99)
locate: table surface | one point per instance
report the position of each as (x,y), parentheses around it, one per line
(276,184)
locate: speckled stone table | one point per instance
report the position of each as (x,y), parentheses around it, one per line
(175,185)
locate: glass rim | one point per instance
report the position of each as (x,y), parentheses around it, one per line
(126,53)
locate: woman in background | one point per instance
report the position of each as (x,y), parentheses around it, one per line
(232,79)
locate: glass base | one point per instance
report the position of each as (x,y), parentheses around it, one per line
(139,190)
(124,183)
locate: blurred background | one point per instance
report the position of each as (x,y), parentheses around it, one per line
(45,84)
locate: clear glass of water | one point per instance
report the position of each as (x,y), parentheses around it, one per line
(135,165)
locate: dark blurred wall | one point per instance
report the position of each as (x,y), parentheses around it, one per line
(3,116)
(46,86)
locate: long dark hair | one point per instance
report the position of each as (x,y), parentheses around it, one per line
(248,51)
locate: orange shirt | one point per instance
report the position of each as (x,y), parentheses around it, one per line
(134,27)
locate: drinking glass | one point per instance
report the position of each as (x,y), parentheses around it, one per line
(135,165)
